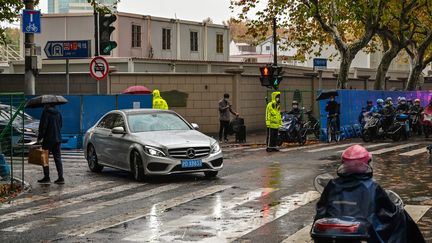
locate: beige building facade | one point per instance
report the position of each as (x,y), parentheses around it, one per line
(143,36)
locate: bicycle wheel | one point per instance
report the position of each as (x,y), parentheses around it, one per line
(329,134)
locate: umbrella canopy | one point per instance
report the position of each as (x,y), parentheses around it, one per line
(327,94)
(137,90)
(40,101)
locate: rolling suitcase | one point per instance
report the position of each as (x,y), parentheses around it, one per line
(241,134)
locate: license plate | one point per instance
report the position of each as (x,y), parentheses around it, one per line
(191,163)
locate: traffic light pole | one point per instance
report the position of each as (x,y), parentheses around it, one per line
(274,43)
(29,46)
(96,33)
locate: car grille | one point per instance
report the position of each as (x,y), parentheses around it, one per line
(182,153)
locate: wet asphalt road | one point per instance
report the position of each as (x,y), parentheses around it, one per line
(257,197)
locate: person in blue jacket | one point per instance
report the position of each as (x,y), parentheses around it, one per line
(355,194)
(378,107)
(365,111)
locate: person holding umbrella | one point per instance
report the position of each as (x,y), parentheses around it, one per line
(49,132)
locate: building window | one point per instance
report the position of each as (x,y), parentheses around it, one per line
(267,48)
(166,39)
(194,41)
(136,36)
(219,43)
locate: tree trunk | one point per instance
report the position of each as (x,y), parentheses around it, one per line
(414,76)
(342,79)
(384,66)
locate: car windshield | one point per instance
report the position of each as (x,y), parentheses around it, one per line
(156,122)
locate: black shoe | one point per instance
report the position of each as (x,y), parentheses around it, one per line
(45,180)
(60,181)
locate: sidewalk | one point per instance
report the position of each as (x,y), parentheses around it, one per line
(252,139)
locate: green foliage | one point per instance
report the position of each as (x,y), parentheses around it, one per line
(9,12)
(101,8)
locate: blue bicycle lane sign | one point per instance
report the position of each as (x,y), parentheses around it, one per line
(31,21)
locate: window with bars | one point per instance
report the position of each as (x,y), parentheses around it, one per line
(219,43)
(136,36)
(166,39)
(194,41)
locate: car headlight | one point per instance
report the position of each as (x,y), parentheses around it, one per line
(215,148)
(154,151)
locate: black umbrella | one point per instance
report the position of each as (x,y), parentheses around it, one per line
(40,101)
(327,94)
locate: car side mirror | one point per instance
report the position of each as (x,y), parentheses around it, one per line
(195,126)
(118,130)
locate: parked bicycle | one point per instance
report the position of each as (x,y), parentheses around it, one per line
(333,133)
(312,126)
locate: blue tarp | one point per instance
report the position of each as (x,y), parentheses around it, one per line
(352,101)
(82,112)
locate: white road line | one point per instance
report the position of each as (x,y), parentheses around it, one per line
(66,202)
(303,236)
(369,146)
(139,213)
(331,147)
(386,150)
(90,209)
(414,152)
(63,191)
(302,147)
(221,205)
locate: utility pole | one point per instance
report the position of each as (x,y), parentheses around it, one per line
(96,33)
(29,46)
(274,43)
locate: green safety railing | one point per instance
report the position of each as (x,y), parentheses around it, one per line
(12,119)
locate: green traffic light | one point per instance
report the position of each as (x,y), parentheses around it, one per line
(109,47)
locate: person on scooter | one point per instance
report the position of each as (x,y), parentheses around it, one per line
(365,111)
(388,113)
(296,110)
(333,109)
(379,106)
(402,106)
(415,112)
(355,194)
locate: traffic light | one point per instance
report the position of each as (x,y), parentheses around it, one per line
(105,30)
(277,77)
(266,76)
(271,76)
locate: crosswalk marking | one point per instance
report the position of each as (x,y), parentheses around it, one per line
(386,150)
(331,147)
(369,146)
(90,209)
(242,222)
(139,213)
(303,235)
(222,206)
(414,152)
(66,202)
(52,193)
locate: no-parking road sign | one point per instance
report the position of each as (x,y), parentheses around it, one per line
(99,68)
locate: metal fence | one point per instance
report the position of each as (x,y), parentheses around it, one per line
(12,137)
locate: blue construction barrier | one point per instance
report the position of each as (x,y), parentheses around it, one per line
(83,111)
(352,101)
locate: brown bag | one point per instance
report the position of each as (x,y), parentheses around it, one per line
(38,156)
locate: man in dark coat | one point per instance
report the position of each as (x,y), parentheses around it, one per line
(50,137)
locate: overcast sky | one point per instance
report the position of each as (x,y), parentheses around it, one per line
(195,10)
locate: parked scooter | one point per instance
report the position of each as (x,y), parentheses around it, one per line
(426,120)
(291,130)
(400,128)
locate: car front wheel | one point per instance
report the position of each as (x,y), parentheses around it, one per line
(137,166)
(92,160)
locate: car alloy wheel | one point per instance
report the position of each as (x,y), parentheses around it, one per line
(137,166)
(92,160)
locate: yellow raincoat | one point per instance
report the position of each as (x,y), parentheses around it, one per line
(273,116)
(158,101)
